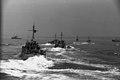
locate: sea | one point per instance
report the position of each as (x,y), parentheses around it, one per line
(98,60)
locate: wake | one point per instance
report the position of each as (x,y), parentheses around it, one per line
(16,67)
(40,68)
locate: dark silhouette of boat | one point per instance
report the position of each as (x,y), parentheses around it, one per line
(115,40)
(31,48)
(54,41)
(58,43)
(77,39)
(88,40)
(76,42)
(15,37)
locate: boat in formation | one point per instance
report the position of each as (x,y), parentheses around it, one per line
(59,43)
(88,41)
(15,37)
(116,40)
(31,48)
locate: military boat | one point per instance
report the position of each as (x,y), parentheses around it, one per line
(88,40)
(76,42)
(58,43)
(15,37)
(116,40)
(77,39)
(54,41)
(31,48)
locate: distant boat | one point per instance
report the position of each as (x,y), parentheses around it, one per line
(76,42)
(88,40)
(58,43)
(15,37)
(115,40)
(77,39)
(54,41)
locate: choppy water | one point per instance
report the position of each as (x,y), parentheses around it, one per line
(95,61)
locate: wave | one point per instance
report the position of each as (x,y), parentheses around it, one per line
(6,44)
(47,44)
(82,43)
(38,68)
(80,64)
(89,74)
(47,77)
(71,74)
(57,49)
(14,67)
(65,57)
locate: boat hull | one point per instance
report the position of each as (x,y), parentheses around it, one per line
(115,40)
(25,54)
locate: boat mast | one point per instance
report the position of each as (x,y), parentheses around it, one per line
(61,36)
(55,36)
(34,31)
(77,38)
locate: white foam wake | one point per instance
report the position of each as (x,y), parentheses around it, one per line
(59,74)
(89,74)
(36,68)
(82,43)
(56,49)
(47,44)
(16,67)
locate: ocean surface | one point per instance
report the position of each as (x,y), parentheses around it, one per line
(98,60)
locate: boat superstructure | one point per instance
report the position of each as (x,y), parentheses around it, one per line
(54,41)
(116,40)
(31,48)
(58,43)
(77,39)
(15,37)
(89,40)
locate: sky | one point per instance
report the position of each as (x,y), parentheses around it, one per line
(72,17)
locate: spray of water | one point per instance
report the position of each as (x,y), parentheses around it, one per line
(16,67)
(36,68)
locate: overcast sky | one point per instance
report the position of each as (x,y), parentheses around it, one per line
(72,17)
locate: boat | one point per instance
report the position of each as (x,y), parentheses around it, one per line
(76,42)
(88,40)
(60,43)
(115,40)
(54,41)
(15,37)
(77,39)
(31,48)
